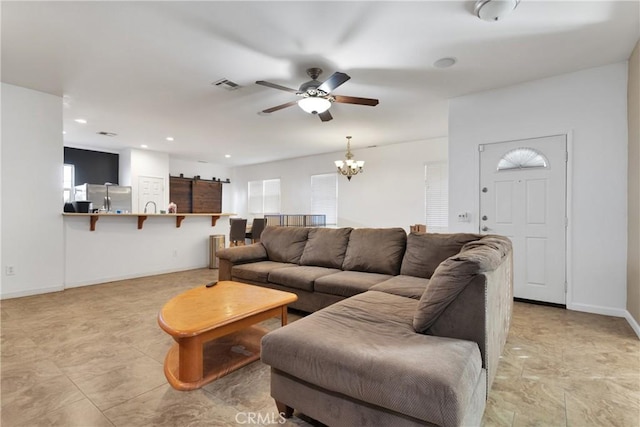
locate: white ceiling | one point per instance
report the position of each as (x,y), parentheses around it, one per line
(144,70)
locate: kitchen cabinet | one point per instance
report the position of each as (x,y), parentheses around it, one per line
(193,195)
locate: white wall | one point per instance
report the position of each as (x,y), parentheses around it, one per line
(633,247)
(390,192)
(590,105)
(32,157)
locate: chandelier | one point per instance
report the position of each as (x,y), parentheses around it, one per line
(349,167)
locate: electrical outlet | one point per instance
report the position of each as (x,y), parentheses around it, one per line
(463,217)
(10,270)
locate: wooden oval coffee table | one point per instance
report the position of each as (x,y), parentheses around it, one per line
(214,330)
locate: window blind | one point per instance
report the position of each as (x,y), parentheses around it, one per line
(271,201)
(255,197)
(68,179)
(324,196)
(437,196)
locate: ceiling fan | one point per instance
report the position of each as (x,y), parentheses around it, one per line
(317,96)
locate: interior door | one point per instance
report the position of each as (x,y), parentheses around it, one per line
(150,192)
(523,197)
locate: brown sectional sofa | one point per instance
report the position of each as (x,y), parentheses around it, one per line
(405,330)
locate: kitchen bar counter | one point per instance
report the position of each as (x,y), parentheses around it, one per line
(142,217)
(117,249)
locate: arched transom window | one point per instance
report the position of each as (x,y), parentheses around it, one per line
(522,158)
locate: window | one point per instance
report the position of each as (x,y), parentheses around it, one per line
(264,197)
(324,196)
(68,181)
(436,186)
(522,158)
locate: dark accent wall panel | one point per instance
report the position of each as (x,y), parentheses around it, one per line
(92,167)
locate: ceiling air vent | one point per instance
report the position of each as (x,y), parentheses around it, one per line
(107,133)
(226,84)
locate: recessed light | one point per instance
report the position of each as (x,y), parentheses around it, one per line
(445,62)
(169,138)
(227,156)
(64,132)
(83,121)
(144,146)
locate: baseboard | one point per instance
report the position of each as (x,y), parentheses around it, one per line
(597,309)
(547,304)
(633,323)
(102,280)
(31,292)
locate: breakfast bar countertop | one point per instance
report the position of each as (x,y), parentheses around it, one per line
(93,217)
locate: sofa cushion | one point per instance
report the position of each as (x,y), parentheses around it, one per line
(425,251)
(375,250)
(426,377)
(284,244)
(405,286)
(299,277)
(454,274)
(348,283)
(257,271)
(326,247)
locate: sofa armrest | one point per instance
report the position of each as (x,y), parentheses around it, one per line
(244,254)
(482,313)
(239,255)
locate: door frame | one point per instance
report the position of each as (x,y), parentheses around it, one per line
(568,134)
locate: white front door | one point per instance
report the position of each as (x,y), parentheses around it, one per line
(150,191)
(523,197)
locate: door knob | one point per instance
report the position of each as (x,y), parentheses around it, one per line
(484,217)
(485,189)
(485,228)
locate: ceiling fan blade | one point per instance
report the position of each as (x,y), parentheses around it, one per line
(280,107)
(275,86)
(326,116)
(333,82)
(355,100)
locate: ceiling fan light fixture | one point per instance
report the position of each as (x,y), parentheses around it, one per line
(494,10)
(314,105)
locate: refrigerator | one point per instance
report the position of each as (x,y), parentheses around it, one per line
(107,198)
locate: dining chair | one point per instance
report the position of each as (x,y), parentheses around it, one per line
(257,226)
(237,230)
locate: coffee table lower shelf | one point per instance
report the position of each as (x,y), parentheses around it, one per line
(220,357)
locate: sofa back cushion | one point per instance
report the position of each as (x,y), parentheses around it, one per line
(425,251)
(326,247)
(284,244)
(455,273)
(375,250)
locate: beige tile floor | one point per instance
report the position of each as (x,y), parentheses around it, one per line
(93,356)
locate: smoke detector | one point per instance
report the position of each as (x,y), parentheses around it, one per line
(494,10)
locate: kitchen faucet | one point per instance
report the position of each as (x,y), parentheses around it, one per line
(155,209)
